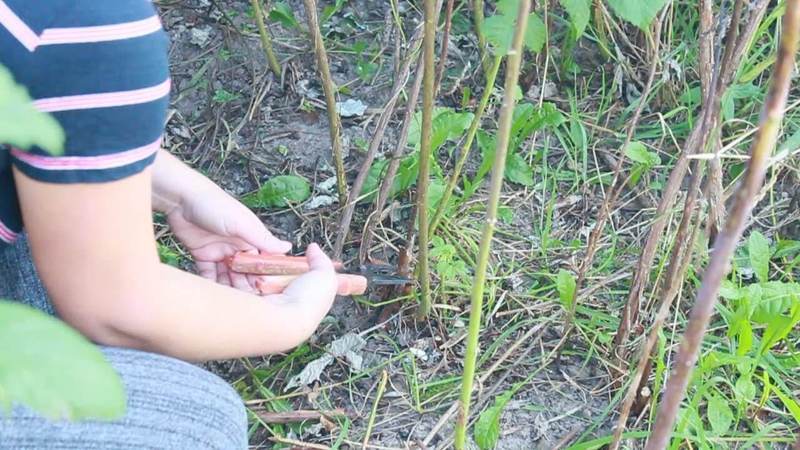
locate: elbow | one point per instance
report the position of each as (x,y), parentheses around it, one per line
(110,317)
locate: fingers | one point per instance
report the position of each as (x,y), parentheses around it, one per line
(254,233)
(207,269)
(240,281)
(223,276)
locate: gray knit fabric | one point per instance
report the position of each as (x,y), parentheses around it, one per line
(171,404)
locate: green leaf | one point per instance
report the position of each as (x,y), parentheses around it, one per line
(499,28)
(720,415)
(791,143)
(771,299)
(745,389)
(168,256)
(518,170)
(446,125)
(789,403)
(579,12)
(565,283)
(637,152)
(279,192)
(535,34)
(638,12)
(487,428)
(729,291)
(282,12)
(759,252)
(406,176)
(53,369)
(505,214)
(528,118)
(22,125)
(778,328)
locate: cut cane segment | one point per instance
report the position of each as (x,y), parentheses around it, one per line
(271,264)
(348,284)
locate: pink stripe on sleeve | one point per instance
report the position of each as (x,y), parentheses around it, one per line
(103,100)
(6,234)
(88,162)
(78,35)
(17,27)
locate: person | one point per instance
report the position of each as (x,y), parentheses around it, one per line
(87,251)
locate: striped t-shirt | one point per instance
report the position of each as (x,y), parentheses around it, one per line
(100,68)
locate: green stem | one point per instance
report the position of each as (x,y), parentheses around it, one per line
(266,41)
(498,171)
(477,12)
(491,76)
(428,78)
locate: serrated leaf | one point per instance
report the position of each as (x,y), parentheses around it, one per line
(487,428)
(22,125)
(637,152)
(565,284)
(279,192)
(638,12)
(579,12)
(518,170)
(759,254)
(53,369)
(720,416)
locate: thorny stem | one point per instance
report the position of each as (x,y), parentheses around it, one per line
(448,19)
(681,253)
(377,138)
(428,75)
(514,61)
(266,42)
(329,89)
(491,76)
(394,164)
(616,187)
(727,240)
(695,140)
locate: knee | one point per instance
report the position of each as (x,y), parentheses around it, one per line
(187,406)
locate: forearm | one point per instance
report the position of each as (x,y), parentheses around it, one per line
(188,317)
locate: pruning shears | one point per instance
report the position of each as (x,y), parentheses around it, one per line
(275,272)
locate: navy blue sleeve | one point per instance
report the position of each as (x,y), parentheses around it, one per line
(104,76)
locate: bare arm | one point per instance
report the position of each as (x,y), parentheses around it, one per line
(94,247)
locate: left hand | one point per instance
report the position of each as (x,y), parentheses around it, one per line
(212,225)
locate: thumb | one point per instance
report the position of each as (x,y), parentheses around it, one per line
(318,283)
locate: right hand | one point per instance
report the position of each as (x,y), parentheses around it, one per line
(315,290)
